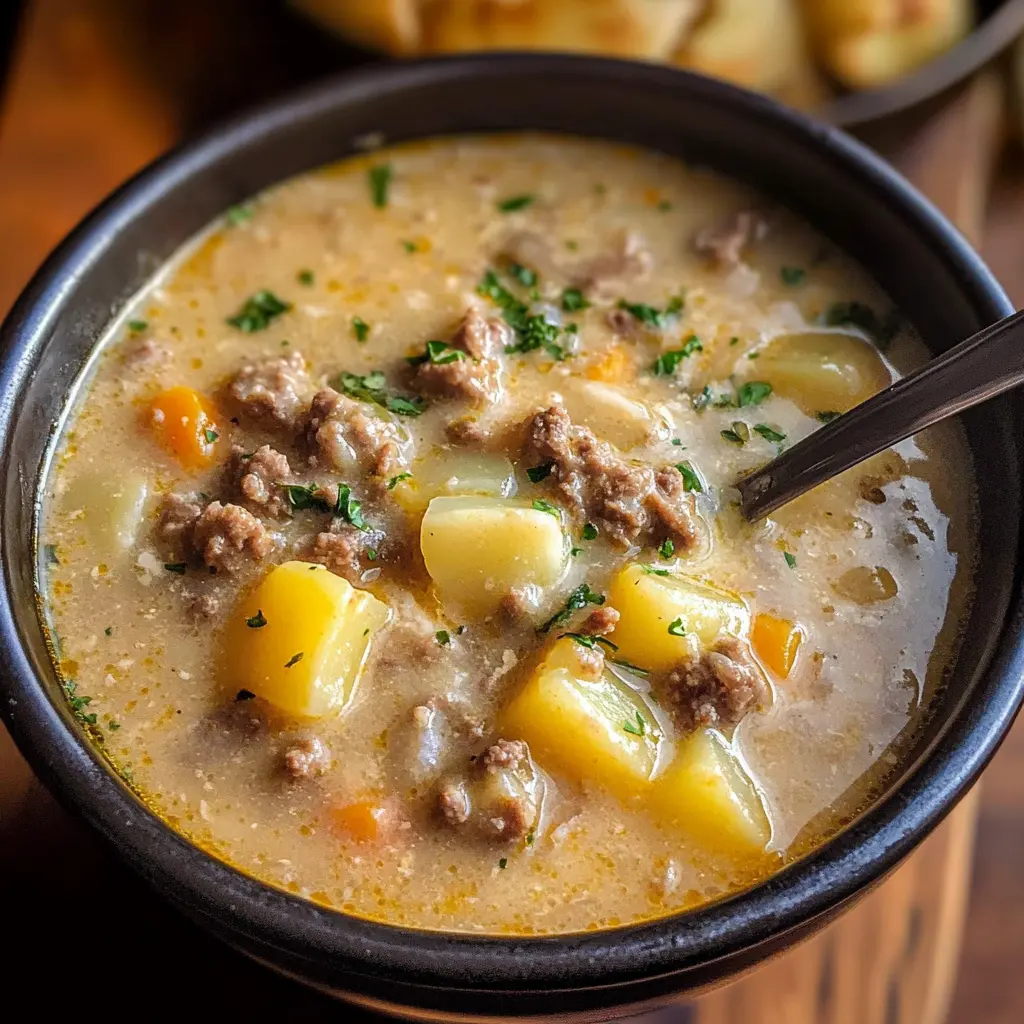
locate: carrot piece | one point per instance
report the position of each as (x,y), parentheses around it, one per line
(775,642)
(614,366)
(183,422)
(363,820)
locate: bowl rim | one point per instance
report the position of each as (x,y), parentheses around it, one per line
(235,903)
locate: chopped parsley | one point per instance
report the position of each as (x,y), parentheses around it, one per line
(515,203)
(360,328)
(371,554)
(678,442)
(589,641)
(852,314)
(396,480)
(828,416)
(579,598)
(210,435)
(178,568)
(533,330)
(443,637)
(575,552)
(524,275)
(734,340)
(667,549)
(257,621)
(305,278)
(664,206)
(790,559)
(303,496)
(50,554)
(792,275)
(239,214)
(651,315)
(691,479)
(347,508)
(410,247)
(113,725)
(530,837)
(440,353)
(541,472)
(589,531)
(137,326)
(258,311)
(675,628)
(293,660)
(769,433)
(373,388)
(637,729)
(653,570)
(739,434)
(503,863)
(380,181)
(752,392)
(109,631)
(630,667)
(665,365)
(540,505)
(573,300)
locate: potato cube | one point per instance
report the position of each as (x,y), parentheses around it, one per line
(455,472)
(651,599)
(706,793)
(823,372)
(478,548)
(300,639)
(112,505)
(613,415)
(594,730)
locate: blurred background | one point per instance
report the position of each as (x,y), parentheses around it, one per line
(92,90)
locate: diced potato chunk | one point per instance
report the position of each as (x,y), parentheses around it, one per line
(597,731)
(823,372)
(706,793)
(113,505)
(477,549)
(648,603)
(455,473)
(300,639)
(612,414)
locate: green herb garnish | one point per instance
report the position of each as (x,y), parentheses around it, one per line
(258,311)
(514,203)
(675,628)
(639,729)
(589,641)
(396,480)
(665,365)
(664,206)
(753,392)
(573,300)
(524,275)
(541,472)
(303,496)
(667,549)
(579,598)
(380,181)
(790,559)
(443,638)
(373,388)
(440,353)
(305,278)
(257,621)
(137,326)
(691,480)
(653,570)
(769,433)
(210,435)
(109,631)
(293,660)
(360,328)
(503,863)
(589,531)
(793,275)
(545,506)
(651,315)
(347,508)
(410,247)
(828,416)
(239,214)
(178,568)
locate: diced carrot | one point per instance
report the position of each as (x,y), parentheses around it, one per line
(183,422)
(614,366)
(775,642)
(363,820)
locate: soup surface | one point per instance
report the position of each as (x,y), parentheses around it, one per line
(392,549)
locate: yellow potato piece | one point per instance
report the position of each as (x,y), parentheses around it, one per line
(613,415)
(455,472)
(307,658)
(477,549)
(648,603)
(823,372)
(113,506)
(707,794)
(596,731)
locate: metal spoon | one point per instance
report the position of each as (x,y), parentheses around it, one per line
(982,367)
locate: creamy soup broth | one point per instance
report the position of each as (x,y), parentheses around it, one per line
(560,356)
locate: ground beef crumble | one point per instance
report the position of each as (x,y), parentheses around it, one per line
(601,621)
(343,547)
(307,758)
(273,391)
(628,501)
(717,687)
(475,376)
(348,436)
(259,477)
(226,537)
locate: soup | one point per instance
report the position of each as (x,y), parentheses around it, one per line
(392,550)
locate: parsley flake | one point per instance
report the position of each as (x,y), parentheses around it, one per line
(691,479)
(792,276)
(675,628)
(258,311)
(373,388)
(790,559)
(516,203)
(503,863)
(293,660)
(239,214)
(440,353)
(541,505)
(524,275)
(828,416)
(573,300)
(257,621)
(109,631)
(589,531)
(380,181)
(579,598)
(638,729)
(541,472)
(210,435)
(305,278)
(653,570)
(651,315)
(137,326)
(769,433)
(396,480)
(753,392)
(667,549)
(443,638)
(589,641)
(630,667)
(360,328)
(347,508)
(665,365)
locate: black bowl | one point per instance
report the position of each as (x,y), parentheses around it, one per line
(854,198)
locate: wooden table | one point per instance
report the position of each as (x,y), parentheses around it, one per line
(94,95)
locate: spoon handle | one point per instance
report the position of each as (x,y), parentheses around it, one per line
(982,367)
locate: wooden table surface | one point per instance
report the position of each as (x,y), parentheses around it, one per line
(93,95)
